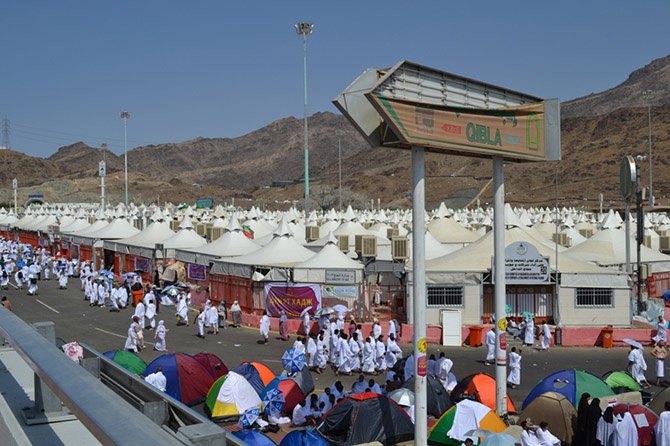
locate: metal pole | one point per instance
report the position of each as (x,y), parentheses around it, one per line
(304,29)
(640,240)
(339,151)
(125,115)
(499,278)
(648,96)
(419,293)
(629,271)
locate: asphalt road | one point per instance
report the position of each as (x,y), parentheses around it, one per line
(103,330)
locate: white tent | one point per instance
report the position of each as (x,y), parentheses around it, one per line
(328,258)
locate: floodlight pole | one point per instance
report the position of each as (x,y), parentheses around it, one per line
(125,115)
(304,29)
(339,151)
(419,293)
(648,96)
(499,279)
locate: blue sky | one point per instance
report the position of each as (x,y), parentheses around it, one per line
(208,68)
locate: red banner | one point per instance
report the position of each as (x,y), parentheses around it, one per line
(293,298)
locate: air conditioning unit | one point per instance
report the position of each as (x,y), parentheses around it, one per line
(366,245)
(201,229)
(664,243)
(647,241)
(400,248)
(174,225)
(311,233)
(562,239)
(588,233)
(216,232)
(159,247)
(343,242)
(392,232)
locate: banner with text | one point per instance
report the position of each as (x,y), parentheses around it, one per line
(293,298)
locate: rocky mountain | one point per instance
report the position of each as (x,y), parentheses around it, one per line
(265,167)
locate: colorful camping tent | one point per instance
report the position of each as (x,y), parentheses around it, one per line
(620,381)
(658,403)
(303,437)
(252,436)
(437,396)
(258,375)
(366,417)
(187,379)
(645,419)
(212,363)
(229,397)
(571,383)
(304,380)
(292,393)
(555,409)
(480,387)
(466,415)
(128,360)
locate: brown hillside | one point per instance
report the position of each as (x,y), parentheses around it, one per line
(596,131)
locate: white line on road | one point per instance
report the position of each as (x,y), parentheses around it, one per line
(50,308)
(119,336)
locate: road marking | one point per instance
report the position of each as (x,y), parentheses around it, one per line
(50,308)
(119,336)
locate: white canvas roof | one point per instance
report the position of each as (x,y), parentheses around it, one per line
(328,258)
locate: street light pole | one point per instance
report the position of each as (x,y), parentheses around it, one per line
(304,29)
(648,96)
(339,151)
(125,115)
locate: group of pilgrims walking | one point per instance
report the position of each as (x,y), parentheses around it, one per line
(21,267)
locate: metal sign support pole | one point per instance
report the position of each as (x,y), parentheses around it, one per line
(499,278)
(419,293)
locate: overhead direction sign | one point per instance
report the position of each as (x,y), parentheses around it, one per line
(409,105)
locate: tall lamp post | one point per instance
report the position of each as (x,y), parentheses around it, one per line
(648,95)
(125,115)
(304,29)
(339,153)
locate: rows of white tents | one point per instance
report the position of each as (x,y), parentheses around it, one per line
(576,271)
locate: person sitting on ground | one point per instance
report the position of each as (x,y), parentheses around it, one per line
(545,437)
(302,415)
(6,303)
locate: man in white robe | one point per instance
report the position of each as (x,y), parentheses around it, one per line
(490,346)
(140,312)
(157,379)
(393,352)
(355,353)
(546,336)
(369,356)
(528,327)
(380,355)
(661,330)
(637,366)
(344,359)
(182,311)
(514,377)
(321,356)
(265,327)
(662,427)
(625,433)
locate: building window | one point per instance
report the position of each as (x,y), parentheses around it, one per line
(594,297)
(445,296)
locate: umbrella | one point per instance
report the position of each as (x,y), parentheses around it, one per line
(526,314)
(478,433)
(323,311)
(402,396)
(20,263)
(305,310)
(293,360)
(500,439)
(249,417)
(171,291)
(633,342)
(341,308)
(273,402)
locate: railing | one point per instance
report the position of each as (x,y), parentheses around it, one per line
(105,410)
